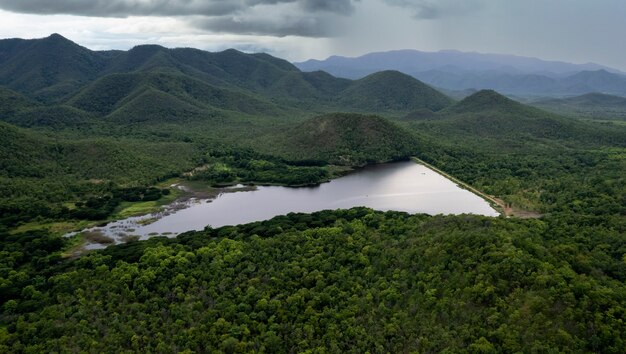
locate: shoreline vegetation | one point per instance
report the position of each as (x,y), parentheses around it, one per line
(505,209)
(184,189)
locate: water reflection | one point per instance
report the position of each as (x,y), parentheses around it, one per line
(402,186)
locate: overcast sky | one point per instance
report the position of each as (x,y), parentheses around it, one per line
(570,30)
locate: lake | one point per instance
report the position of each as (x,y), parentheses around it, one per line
(402,186)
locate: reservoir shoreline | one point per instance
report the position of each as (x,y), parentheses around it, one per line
(408,186)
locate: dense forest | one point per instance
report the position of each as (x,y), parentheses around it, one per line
(86,134)
(342,281)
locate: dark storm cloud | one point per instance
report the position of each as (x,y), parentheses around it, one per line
(309,18)
(433,9)
(343,7)
(124,8)
(304,26)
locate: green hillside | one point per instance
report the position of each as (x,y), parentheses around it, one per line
(489,115)
(38,174)
(347,139)
(158,95)
(12,103)
(391,91)
(141,58)
(57,117)
(487,100)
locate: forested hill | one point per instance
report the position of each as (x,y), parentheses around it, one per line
(490,115)
(348,139)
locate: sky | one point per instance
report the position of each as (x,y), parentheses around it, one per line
(577,31)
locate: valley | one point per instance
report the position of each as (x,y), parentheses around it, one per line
(372,252)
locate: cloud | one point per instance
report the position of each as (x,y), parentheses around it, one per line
(342,7)
(125,8)
(280,18)
(286,26)
(433,9)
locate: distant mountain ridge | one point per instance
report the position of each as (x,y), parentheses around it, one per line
(591,105)
(150,82)
(454,70)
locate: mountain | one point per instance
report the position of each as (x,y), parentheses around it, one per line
(591,105)
(47,68)
(458,71)
(520,84)
(489,101)
(150,82)
(348,139)
(391,91)
(594,81)
(490,115)
(413,61)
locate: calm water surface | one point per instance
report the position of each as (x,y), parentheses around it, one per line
(402,186)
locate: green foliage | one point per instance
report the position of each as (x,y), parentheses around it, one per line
(342,281)
(39,174)
(24,265)
(229,166)
(101,207)
(12,102)
(544,180)
(156,96)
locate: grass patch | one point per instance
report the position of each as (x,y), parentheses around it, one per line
(128,209)
(54,227)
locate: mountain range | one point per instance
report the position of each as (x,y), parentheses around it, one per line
(186,94)
(508,74)
(149,82)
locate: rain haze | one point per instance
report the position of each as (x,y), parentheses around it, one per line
(577,31)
